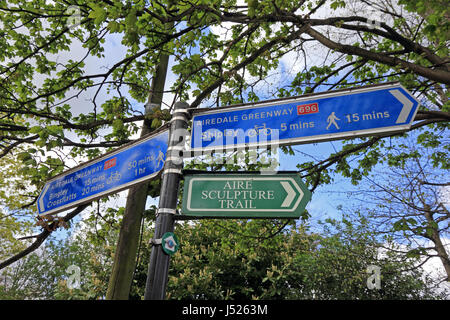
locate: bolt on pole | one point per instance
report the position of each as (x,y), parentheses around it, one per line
(158,267)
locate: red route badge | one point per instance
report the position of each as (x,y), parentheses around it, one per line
(110,163)
(308,108)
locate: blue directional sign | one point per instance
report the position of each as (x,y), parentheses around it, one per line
(110,173)
(341,114)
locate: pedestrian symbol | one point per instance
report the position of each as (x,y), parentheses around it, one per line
(331,120)
(160,158)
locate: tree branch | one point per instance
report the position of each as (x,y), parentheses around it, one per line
(40,238)
(432,74)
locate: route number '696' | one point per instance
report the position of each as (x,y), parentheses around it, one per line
(308,108)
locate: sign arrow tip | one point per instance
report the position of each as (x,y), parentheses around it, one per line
(407,105)
(290,194)
(41,198)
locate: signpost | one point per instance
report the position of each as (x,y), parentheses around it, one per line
(372,110)
(320,117)
(244,196)
(110,173)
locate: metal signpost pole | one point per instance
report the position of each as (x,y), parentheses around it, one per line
(159,260)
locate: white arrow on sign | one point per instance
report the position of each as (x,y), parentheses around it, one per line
(290,194)
(407,105)
(41,199)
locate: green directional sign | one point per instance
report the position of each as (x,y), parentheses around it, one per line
(244,195)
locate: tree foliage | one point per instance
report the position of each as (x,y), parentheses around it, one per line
(410,203)
(258,260)
(226,260)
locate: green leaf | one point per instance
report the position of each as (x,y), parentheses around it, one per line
(98,14)
(35,129)
(114,26)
